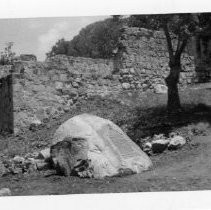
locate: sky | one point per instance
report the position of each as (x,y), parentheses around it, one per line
(37,35)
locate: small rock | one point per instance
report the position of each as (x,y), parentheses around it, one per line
(176,143)
(3,170)
(49,172)
(83,169)
(29,161)
(70,102)
(73,94)
(130,94)
(132,71)
(45,120)
(18,159)
(58,85)
(30,165)
(15,170)
(147,147)
(160,89)
(16,131)
(78,80)
(75,84)
(48,126)
(34,124)
(66,108)
(158,137)
(125,71)
(42,165)
(125,85)
(132,86)
(32,155)
(5,192)
(159,145)
(44,154)
(122,102)
(172,134)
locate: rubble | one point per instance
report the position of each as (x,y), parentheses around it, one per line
(159,143)
(176,142)
(5,192)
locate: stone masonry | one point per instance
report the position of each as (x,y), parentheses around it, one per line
(144,60)
(141,63)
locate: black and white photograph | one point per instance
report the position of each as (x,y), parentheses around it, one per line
(97,104)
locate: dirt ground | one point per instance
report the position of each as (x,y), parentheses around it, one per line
(188,168)
(185,169)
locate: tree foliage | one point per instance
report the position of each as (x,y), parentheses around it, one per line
(61,47)
(7,56)
(97,40)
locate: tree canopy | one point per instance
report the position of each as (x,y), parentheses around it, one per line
(97,40)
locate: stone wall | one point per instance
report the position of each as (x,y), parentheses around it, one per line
(141,63)
(84,75)
(6,100)
(28,57)
(50,88)
(144,60)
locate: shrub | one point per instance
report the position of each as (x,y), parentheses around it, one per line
(7,56)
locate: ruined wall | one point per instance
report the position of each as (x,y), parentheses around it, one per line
(141,63)
(93,76)
(48,89)
(6,100)
(144,60)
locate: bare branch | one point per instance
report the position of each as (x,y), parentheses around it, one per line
(178,43)
(181,49)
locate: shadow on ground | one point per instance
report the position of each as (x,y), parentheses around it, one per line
(156,120)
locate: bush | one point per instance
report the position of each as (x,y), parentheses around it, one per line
(7,56)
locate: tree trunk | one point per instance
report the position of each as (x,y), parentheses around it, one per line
(172,80)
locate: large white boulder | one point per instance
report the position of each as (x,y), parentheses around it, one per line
(95,147)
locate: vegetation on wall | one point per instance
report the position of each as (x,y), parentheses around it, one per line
(7,56)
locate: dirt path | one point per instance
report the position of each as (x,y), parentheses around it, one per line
(185,169)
